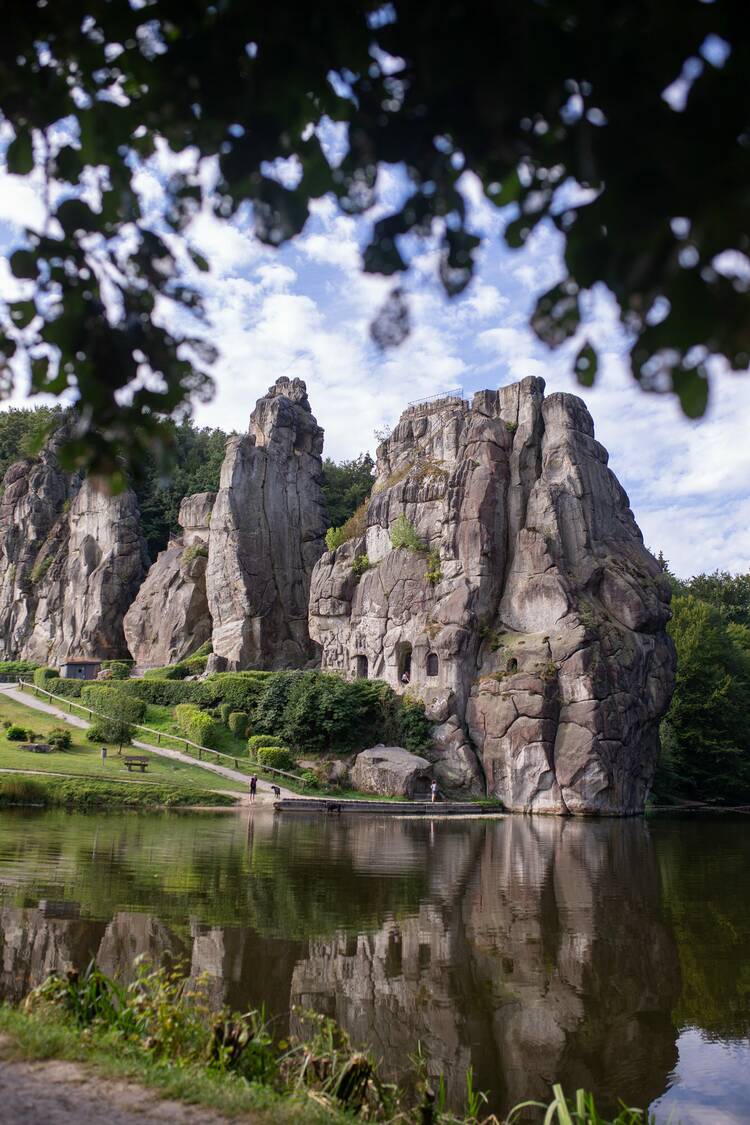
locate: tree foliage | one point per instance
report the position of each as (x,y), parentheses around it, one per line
(345,486)
(705,736)
(645,108)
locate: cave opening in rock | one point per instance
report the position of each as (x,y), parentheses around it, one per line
(361,667)
(433,664)
(512,665)
(403,656)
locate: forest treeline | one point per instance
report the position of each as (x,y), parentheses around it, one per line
(195,466)
(706,733)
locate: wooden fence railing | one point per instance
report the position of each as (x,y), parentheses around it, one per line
(239,764)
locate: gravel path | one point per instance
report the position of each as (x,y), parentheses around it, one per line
(264,787)
(64,1093)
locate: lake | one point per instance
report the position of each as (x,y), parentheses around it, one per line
(611,954)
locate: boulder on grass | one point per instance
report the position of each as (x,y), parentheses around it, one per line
(391,771)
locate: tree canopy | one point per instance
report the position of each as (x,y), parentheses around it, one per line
(625,124)
(705,736)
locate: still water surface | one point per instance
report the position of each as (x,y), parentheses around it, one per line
(613,955)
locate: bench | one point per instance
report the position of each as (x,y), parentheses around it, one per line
(135,762)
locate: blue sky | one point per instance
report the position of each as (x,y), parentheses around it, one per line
(305,310)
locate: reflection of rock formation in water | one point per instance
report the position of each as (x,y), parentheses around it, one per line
(533,950)
(529,962)
(36,941)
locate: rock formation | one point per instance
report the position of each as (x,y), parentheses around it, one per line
(521,604)
(169,618)
(71,560)
(267,532)
(391,772)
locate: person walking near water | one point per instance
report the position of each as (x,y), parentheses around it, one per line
(253,787)
(433,791)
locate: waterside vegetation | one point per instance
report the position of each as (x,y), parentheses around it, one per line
(162,1030)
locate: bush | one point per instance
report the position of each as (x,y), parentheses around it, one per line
(17,667)
(403,534)
(224,712)
(197,725)
(70,689)
(163,693)
(240,689)
(237,723)
(257,740)
(110,730)
(118,669)
(15,733)
(434,572)
(359,566)
(42,677)
(113,702)
(60,738)
(277,757)
(170,672)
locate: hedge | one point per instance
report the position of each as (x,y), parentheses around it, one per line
(163,693)
(70,689)
(17,667)
(170,672)
(197,725)
(118,669)
(257,740)
(113,702)
(242,690)
(237,723)
(277,757)
(42,677)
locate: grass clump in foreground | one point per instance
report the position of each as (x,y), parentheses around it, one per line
(162,1031)
(60,792)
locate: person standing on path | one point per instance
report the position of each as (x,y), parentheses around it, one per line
(433,791)
(253,787)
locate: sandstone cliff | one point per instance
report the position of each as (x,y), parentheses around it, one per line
(169,618)
(71,560)
(524,608)
(267,532)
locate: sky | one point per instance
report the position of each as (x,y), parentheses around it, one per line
(304,311)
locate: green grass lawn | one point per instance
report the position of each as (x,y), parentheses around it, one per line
(83,759)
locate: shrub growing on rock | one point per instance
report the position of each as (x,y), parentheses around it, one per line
(237,723)
(197,725)
(404,534)
(277,757)
(15,733)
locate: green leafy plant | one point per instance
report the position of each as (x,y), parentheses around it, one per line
(359,566)
(40,569)
(404,535)
(16,733)
(60,738)
(256,740)
(196,551)
(434,572)
(197,725)
(277,757)
(238,723)
(43,676)
(334,538)
(118,669)
(511,427)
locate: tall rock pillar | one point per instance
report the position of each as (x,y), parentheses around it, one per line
(267,532)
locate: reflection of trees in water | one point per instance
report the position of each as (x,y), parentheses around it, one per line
(532,949)
(704,864)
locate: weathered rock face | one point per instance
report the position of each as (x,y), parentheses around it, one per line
(72,559)
(533,621)
(169,618)
(392,772)
(267,532)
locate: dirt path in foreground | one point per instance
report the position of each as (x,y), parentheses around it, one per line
(64,1093)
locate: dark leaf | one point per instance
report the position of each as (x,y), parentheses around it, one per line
(691,386)
(586,364)
(392,324)
(557,314)
(20,154)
